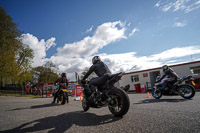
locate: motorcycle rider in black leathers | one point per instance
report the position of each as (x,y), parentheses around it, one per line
(101,70)
(62,79)
(171,75)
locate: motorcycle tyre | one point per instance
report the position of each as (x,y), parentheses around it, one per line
(125,102)
(85,105)
(153,94)
(192,89)
(64,98)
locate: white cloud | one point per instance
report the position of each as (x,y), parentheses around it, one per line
(75,57)
(126,62)
(89,30)
(176,53)
(183,5)
(157,4)
(130,61)
(193,6)
(104,34)
(180,24)
(167,7)
(179,5)
(39,47)
(133,31)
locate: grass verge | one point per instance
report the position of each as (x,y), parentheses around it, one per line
(18,95)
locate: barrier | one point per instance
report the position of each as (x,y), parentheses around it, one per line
(48,93)
(78,93)
(142,88)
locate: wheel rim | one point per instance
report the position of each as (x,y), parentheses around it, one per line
(117,106)
(156,93)
(186,91)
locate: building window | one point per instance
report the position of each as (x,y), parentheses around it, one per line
(145,75)
(195,70)
(135,78)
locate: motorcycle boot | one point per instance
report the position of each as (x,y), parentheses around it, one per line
(54,99)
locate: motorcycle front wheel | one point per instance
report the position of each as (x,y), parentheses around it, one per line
(121,102)
(156,93)
(63,98)
(85,105)
(186,91)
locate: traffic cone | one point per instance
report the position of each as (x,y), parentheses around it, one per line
(148,94)
(80,98)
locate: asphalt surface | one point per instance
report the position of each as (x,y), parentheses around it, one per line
(146,115)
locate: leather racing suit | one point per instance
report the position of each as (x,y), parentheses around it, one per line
(58,81)
(103,73)
(172,77)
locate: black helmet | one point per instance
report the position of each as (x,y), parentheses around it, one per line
(63,74)
(165,67)
(95,59)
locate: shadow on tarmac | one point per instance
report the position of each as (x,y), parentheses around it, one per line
(37,106)
(63,122)
(160,100)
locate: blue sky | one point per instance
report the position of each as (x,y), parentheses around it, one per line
(128,35)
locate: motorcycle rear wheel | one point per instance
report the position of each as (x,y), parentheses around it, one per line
(186,91)
(121,102)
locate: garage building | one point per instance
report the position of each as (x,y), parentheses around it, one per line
(144,79)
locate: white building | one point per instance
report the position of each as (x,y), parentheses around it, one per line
(146,78)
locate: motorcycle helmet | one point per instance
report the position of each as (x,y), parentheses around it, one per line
(63,74)
(95,59)
(165,67)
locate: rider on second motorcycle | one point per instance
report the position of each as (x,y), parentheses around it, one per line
(62,79)
(171,75)
(101,70)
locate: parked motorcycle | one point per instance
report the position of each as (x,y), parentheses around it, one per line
(62,94)
(181,88)
(107,95)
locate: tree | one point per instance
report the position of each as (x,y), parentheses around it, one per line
(15,57)
(45,74)
(24,58)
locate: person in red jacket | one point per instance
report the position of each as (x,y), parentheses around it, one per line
(62,79)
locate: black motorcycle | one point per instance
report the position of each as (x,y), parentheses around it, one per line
(107,95)
(180,87)
(62,94)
